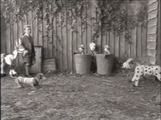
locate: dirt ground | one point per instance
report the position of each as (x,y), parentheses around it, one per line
(75,97)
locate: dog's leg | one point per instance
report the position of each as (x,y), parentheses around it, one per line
(138,73)
(18,83)
(158,73)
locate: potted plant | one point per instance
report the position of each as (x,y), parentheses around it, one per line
(105,61)
(82,61)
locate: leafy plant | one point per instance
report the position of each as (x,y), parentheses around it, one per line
(111,15)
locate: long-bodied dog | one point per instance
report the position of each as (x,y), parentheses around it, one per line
(33,81)
(142,70)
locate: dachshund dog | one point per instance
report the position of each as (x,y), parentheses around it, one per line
(142,70)
(33,81)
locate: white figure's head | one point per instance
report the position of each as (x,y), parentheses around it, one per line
(12,73)
(107,49)
(92,46)
(81,48)
(130,63)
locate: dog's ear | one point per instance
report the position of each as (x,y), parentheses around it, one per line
(39,76)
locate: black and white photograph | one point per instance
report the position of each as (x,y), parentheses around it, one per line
(80,60)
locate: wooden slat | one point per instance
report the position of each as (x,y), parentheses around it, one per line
(37,67)
(50,42)
(134,42)
(151,45)
(122,46)
(54,37)
(153,14)
(69,38)
(60,45)
(152,22)
(151,1)
(108,38)
(152,30)
(89,27)
(84,37)
(99,39)
(112,42)
(103,42)
(45,39)
(139,41)
(144,42)
(152,38)
(8,38)
(64,33)
(151,52)
(153,6)
(117,47)
(49,65)
(152,60)
(159,38)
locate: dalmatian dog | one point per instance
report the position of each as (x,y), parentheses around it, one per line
(142,70)
(81,50)
(9,58)
(32,81)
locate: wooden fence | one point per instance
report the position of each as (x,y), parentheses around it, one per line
(63,50)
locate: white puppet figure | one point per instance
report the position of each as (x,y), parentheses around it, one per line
(92,47)
(80,50)
(8,59)
(106,50)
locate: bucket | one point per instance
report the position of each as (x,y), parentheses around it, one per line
(104,64)
(82,63)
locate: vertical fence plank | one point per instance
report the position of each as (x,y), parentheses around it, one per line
(45,38)
(89,24)
(112,42)
(9,38)
(50,42)
(54,36)
(60,42)
(108,38)
(117,47)
(99,39)
(68,44)
(84,30)
(64,33)
(134,42)
(144,42)
(122,46)
(139,41)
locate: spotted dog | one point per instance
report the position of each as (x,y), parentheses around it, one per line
(33,81)
(142,70)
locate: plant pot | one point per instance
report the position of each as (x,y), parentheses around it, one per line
(104,64)
(82,63)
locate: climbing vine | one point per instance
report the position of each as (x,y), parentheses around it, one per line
(111,15)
